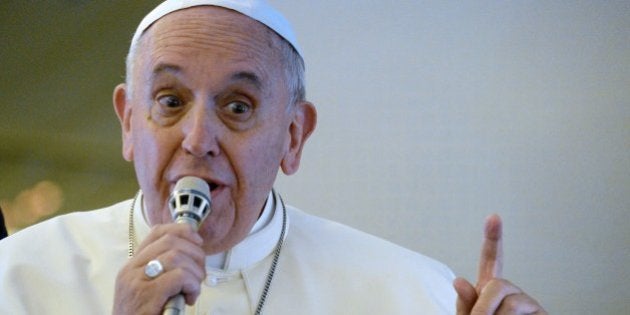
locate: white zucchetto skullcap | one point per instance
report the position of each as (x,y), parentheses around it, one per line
(258,10)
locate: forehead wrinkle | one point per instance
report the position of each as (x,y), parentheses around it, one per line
(218,41)
(208,27)
(210,33)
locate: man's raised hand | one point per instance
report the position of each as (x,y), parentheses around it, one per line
(492,294)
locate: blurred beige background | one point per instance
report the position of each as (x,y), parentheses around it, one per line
(432,116)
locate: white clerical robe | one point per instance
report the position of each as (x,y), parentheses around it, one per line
(68,265)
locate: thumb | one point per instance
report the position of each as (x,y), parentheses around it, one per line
(466,296)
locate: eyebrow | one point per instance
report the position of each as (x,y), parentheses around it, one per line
(249,77)
(163,67)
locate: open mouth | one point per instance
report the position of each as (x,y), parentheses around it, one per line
(212,186)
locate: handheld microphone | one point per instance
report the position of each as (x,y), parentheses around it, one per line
(189,204)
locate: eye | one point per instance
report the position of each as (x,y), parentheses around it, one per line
(238,108)
(170,101)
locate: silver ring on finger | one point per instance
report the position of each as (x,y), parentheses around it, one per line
(153,269)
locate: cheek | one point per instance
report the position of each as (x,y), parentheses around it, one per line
(150,158)
(261,160)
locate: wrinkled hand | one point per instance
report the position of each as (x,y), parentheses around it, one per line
(179,250)
(492,294)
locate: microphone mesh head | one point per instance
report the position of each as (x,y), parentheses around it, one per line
(193,183)
(190,201)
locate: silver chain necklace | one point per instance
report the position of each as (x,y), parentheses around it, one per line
(274,262)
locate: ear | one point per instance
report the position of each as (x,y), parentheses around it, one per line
(123,111)
(302,126)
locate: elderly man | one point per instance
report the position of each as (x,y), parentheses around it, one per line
(215,90)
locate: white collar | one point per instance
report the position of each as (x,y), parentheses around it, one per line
(260,242)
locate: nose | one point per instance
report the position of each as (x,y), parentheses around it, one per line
(201,129)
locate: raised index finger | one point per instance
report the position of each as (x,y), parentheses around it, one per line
(491,260)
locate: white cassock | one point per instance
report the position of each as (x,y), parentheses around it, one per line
(68,265)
